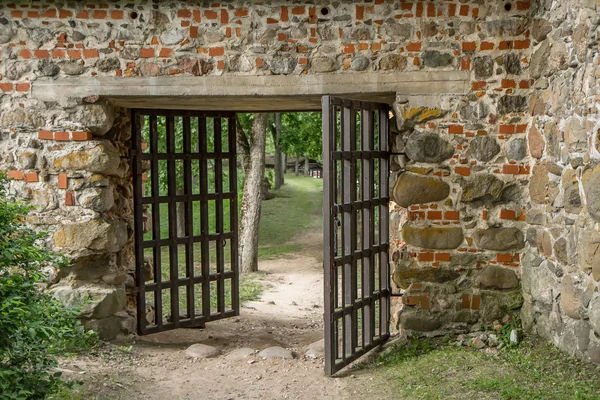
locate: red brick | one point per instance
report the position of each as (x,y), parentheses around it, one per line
(524,84)
(486,46)
(426,257)
(33,14)
(216,51)
(22,87)
(442,257)
(81,136)
(464,10)
(413,46)
(99,14)
(69,199)
(452,10)
(58,53)
(90,53)
(209,14)
(515,169)
(508,214)
(466,301)
(224,17)
(25,53)
(523,5)
(476,302)
(348,48)
(165,52)
(41,54)
(117,14)
(521,44)
(505,45)
(465,63)
(243,12)
(62,136)
(484,215)
(360,12)
(83,14)
(452,215)
(74,54)
(300,10)
(506,128)
(184,14)
(434,215)
(521,128)
(425,304)
(284,14)
(65,14)
(508,83)
(6,87)
(63,181)
(463,171)
(455,129)
(146,52)
(14,174)
(478,85)
(193,31)
(45,135)
(431,10)
(504,258)
(51,13)
(31,177)
(16,14)
(469,46)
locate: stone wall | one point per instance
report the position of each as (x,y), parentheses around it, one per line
(561,265)
(467,222)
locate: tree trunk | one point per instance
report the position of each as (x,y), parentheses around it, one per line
(180,217)
(297,166)
(252,155)
(306,166)
(283,167)
(276,140)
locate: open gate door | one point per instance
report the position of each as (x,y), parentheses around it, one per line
(186,223)
(356,212)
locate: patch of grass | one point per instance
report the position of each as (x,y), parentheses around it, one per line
(535,370)
(295,210)
(250,287)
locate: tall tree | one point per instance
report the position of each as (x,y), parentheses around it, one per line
(251,149)
(278,158)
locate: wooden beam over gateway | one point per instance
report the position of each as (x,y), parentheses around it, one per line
(251,92)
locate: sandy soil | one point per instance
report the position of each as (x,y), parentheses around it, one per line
(289,315)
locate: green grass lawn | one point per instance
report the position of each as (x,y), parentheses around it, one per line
(533,370)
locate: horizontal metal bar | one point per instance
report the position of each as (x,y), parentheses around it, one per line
(148,244)
(358,254)
(358,104)
(359,155)
(153,287)
(186,156)
(185,197)
(360,205)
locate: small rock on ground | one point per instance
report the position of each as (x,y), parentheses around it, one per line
(200,350)
(276,352)
(316,350)
(239,354)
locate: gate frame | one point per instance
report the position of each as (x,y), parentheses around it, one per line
(137,156)
(351,255)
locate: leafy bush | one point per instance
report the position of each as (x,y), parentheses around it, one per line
(34,327)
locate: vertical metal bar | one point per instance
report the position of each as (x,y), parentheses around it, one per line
(189,216)
(329,180)
(219,214)
(204,217)
(353,228)
(347,187)
(138,222)
(367,226)
(172,190)
(384,274)
(233,211)
(157,253)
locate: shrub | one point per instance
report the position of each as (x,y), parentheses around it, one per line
(34,327)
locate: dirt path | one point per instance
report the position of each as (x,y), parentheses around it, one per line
(289,314)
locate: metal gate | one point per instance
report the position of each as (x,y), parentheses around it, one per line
(186,223)
(356,204)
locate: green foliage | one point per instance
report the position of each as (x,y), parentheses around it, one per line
(301,134)
(34,327)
